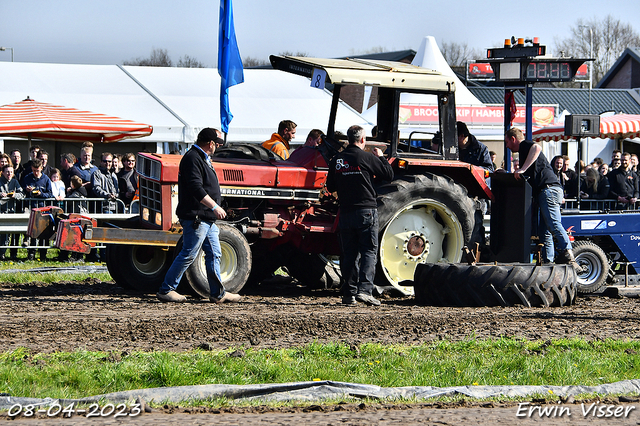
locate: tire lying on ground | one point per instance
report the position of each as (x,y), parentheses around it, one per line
(235,264)
(140,268)
(454,284)
(422,219)
(595,266)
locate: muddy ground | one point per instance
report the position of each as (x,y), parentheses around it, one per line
(98,315)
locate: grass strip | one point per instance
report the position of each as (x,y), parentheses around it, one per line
(504,361)
(53,277)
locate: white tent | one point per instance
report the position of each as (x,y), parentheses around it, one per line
(98,88)
(264,99)
(429,56)
(177,102)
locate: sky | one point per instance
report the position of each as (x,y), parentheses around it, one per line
(112,31)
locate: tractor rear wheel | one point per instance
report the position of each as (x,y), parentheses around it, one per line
(235,264)
(423,219)
(442,284)
(138,267)
(595,266)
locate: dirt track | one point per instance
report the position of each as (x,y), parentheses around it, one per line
(102,316)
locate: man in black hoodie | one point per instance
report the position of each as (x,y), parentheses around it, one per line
(351,174)
(198,208)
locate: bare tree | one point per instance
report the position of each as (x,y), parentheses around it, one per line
(289,53)
(250,62)
(610,38)
(457,55)
(187,61)
(158,58)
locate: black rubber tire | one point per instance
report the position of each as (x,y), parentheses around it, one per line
(404,204)
(595,266)
(235,264)
(456,284)
(141,268)
(112,265)
(314,270)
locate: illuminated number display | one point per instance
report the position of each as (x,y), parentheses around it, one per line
(548,71)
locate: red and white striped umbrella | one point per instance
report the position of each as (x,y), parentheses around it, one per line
(38,120)
(613,127)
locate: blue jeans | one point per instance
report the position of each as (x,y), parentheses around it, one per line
(550,226)
(207,237)
(359,244)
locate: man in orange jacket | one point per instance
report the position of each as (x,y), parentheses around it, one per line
(279,142)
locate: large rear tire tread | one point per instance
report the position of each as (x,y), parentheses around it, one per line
(443,284)
(595,266)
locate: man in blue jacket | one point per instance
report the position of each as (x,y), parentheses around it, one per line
(351,174)
(37,186)
(198,208)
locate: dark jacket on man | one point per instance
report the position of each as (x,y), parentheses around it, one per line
(476,153)
(127,182)
(623,183)
(352,173)
(196,179)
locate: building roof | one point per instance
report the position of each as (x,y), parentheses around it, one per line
(576,101)
(396,56)
(629,53)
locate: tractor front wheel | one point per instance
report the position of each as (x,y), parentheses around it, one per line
(138,267)
(235,263)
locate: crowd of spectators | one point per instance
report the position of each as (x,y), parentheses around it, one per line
(617,181)
(36,183)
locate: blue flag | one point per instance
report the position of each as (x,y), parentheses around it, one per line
(229,61)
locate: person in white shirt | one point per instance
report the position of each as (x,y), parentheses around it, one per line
(57,185)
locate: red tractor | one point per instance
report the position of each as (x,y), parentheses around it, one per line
(279,213)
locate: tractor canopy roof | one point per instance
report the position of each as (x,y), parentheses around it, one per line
(397,75)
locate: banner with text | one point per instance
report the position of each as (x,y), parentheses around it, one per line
(543,115)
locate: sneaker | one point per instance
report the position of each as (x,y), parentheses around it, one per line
(227,298)
(369,300)
(349,300)
(172,296)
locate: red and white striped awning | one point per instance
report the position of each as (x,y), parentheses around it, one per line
(613,127)
(37,120)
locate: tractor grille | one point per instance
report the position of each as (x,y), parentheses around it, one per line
(148,167)
(150,196)
(232,175)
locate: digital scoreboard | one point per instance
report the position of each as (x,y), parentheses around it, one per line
(527,64)
(536,70)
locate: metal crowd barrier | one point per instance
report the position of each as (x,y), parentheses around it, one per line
(16,222)
(586,205)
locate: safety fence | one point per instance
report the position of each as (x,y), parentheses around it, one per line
(586,205)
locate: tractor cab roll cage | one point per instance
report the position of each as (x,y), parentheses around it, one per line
(391,80)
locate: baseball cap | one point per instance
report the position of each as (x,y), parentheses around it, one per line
(208,134)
